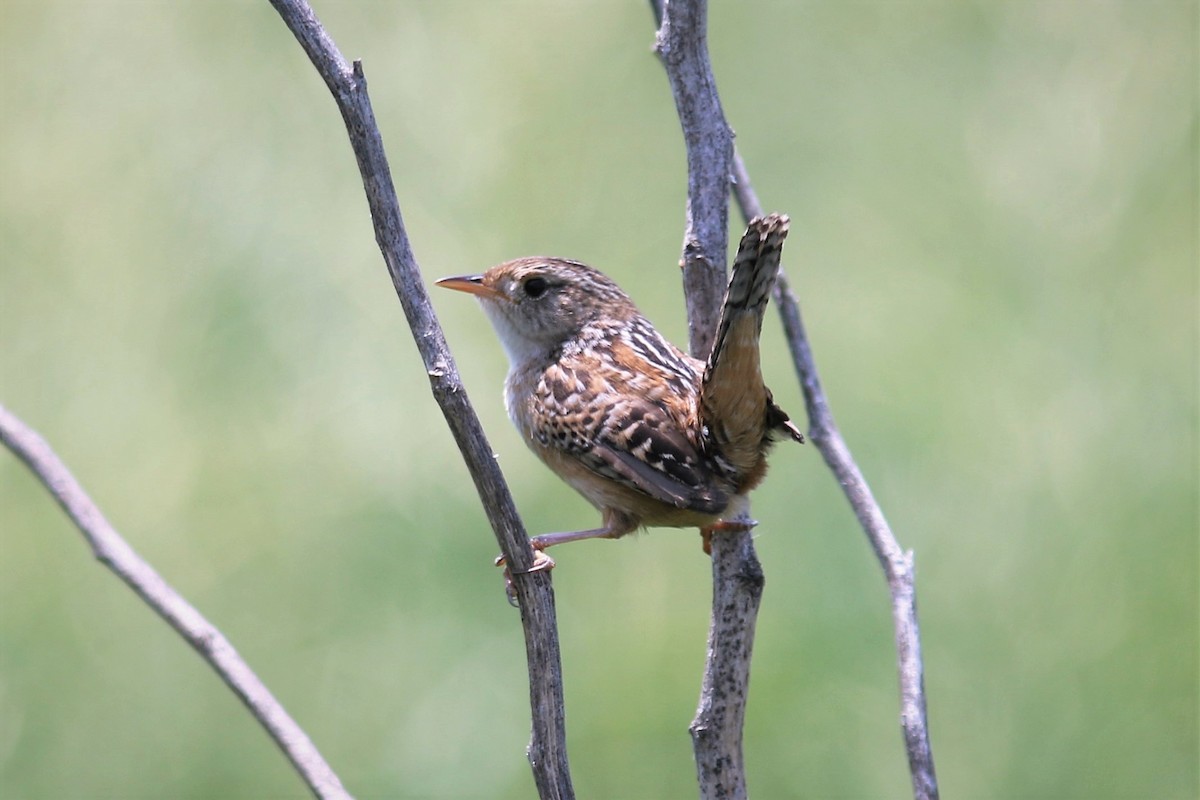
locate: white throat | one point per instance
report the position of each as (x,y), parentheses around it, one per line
(522,350)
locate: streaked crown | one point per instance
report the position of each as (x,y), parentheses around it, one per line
(538,303)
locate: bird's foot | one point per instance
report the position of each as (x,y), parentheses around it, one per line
(541,563)
(724,526)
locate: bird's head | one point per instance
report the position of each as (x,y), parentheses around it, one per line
(537,304)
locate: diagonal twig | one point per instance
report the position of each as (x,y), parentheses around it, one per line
(114,552)
(897,563)
(535,595)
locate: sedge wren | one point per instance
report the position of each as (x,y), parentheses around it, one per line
(648,434)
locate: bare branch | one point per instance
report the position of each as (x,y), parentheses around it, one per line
(682,45)
(717,728)
(114,552)
(737,574)
(897,564)
(547,748)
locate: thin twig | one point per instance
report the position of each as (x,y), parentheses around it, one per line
(547,747)
(737,574)
(897,563)
(114,552)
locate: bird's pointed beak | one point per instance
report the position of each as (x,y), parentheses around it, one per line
(472,284)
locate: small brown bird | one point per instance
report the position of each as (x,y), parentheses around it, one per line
(648,434)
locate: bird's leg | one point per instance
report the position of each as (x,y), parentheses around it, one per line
(544,540)
(539,543)
(616,525)
(737,520)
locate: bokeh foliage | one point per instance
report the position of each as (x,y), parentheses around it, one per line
(994,237)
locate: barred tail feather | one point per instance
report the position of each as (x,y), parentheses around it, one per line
(735,403)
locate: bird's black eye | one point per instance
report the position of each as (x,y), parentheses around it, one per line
(536,287)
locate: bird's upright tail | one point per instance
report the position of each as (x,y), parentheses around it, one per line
(735,403)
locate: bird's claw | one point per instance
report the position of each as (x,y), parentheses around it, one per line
(541,563)
(724,526)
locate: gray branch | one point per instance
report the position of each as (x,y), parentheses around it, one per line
(897,563)
(682,45)
(738,580)
(547,747)
(115,553)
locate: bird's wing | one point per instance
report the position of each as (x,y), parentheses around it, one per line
(624,436)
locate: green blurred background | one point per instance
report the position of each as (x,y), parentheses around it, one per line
(994,239)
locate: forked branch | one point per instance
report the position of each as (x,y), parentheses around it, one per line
(694,71)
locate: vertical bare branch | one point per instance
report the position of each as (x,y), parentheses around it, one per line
(682,45)
(115,553)
(717,728)
(738,579)
(547,748)
(897,563)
